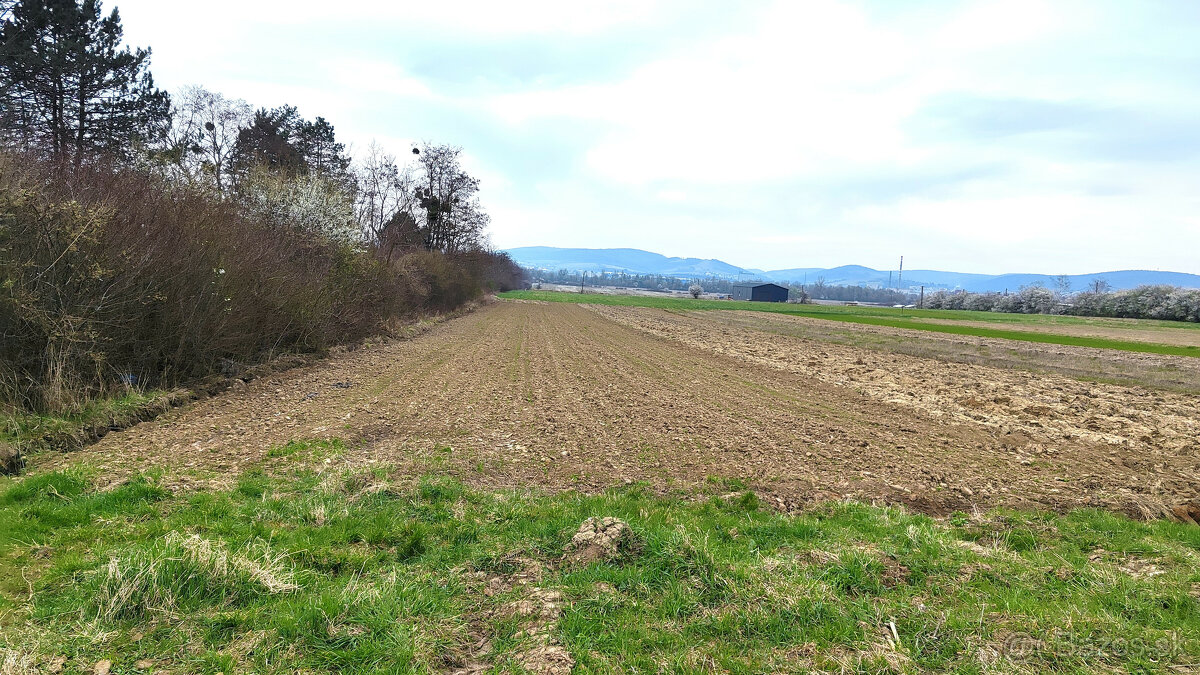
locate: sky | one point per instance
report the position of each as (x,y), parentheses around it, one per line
(986,136)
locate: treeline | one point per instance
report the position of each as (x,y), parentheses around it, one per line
(818,290)
(1168,303)
(653,282)
(154,239)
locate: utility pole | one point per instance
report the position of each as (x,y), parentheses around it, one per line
(921,304)
(900,278)
(582,278)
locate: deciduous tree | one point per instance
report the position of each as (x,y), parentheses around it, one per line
(449,199)
(205,129)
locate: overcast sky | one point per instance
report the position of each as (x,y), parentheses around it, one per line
(990,136)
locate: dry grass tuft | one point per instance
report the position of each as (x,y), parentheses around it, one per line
(185,568)
(267,570)
(13,662)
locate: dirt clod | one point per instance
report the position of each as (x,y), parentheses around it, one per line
(1141,568)
(599,539)
(11,461)
(1188,512)
(537,610)
(548,660)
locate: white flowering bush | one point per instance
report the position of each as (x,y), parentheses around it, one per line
(311,203)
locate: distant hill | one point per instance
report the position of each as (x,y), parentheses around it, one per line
(1118,280)
(633,260)
(637,261)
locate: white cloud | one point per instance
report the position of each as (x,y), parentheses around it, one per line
(785,134)
(366,77)
(816,88)
(999,23)
(454,18)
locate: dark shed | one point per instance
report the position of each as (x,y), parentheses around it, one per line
(760,292)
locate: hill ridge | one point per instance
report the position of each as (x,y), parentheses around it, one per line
(639,261)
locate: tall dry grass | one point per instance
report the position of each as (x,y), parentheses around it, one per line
(183,570)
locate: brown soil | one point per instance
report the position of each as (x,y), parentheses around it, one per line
(1087,363)
(537,610)
(565,396)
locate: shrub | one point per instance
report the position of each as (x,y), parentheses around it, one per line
(112,276)
(1029,300)
(1144,302)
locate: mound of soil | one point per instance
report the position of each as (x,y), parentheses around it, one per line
(599,540)
(11,461)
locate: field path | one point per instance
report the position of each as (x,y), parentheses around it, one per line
(564,396)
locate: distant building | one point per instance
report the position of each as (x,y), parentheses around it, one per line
(760,292)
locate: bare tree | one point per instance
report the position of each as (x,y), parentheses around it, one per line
(205,132)
(385,202)
(433,204)
(379,190)
(1062,285)
(453,217)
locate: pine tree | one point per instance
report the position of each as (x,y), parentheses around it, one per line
(322,152)
(269,142)
(68,87)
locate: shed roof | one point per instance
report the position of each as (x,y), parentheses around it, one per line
(756,284)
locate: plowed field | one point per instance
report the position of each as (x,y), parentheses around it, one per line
(565,396)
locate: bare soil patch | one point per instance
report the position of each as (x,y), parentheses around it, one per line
(1138,369)
(565,396)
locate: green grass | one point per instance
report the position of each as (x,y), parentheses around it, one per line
(303,572)
(913,319)
(32,429)
(309,448)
